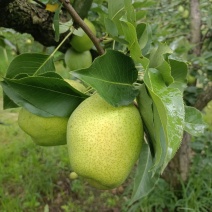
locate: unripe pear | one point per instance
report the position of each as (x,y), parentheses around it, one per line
(44,131)
(77,85)
(104,142)
(83,43)
(77,60)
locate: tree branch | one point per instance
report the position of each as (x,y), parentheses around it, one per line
(82,24)
(25,17)
(195,26)
(204,98)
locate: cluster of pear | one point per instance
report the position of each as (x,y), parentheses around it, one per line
(103,141)
(79,56)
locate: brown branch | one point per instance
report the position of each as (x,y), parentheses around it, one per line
(82,24)
(204,98)
(25,17)
(195,26)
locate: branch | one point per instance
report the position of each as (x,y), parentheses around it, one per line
(25,17)
(82,24)
(204,98)
(195,26)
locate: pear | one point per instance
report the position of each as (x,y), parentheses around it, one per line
(104,142)
(77,85)
(44,131)
(77,60)
(83,43)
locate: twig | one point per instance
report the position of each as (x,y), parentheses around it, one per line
(81,23)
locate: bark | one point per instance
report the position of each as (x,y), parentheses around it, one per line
(25,17)
(195,26)
(204,97)
(178,168)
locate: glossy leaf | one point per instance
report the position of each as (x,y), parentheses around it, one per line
(31,64)
(179,72)
(194,123)
(152,126)
(112,75)
(129,32)
(170,108)
(158,61)
(45,96)
(144,181)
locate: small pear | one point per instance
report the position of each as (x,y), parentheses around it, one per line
(83,43)
(44,131)
(104,142)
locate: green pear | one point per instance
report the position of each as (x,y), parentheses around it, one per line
(44,131)
(83,43)
(77,60)
(77,85)
(104,142)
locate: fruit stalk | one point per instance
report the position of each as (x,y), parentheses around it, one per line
(81,23)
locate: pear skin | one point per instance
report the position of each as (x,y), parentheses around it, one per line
(104,142)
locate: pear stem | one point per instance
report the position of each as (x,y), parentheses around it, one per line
(81,23)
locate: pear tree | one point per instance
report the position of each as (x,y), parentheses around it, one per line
(132,113)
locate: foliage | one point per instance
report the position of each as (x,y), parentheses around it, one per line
(137,64)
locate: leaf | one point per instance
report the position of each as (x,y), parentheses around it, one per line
(144,181)
(152,126)
(56,22)
(111,27)
(65,26)
(142,34)
(129,32)
(27,64)
(170,107)
(179,71)
(157,61)
(130,12)
(116,9)
(112,75)
(31,64)
(156,56)
(44,96)
(194,123)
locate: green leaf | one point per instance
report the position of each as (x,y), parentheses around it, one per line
(168,103)
(157,55)
(116,9)
(179,72)
(144,181)
(112,75)
(130,12)
(31,64)
(142,34)
(152,126)
(157,61)
(194,123)
(56,23)
(111,27)
(129,32)
(44,96)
